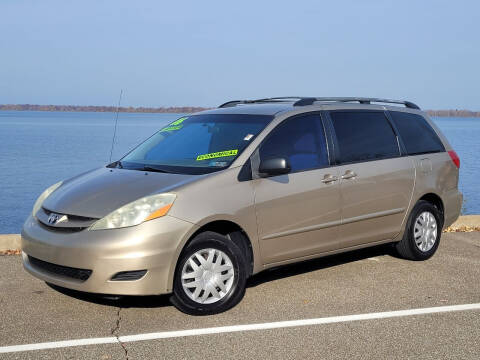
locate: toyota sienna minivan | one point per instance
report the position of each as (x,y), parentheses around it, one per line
(223,194)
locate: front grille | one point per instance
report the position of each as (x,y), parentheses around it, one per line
(73,217)
(70,223)
(61,229)
(69,272)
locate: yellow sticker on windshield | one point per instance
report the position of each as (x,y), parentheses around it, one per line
(217,154)
(171,128)
(176,125)
(179,121)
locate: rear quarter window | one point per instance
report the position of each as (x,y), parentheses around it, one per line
(416,133)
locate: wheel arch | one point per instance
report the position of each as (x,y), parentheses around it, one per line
(235,233)
(436,201)
(429,196)
(229,228)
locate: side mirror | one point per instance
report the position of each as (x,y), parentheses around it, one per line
(276,166)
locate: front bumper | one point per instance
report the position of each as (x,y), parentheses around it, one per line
(153,246)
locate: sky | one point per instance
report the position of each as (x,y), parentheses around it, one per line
(203,53)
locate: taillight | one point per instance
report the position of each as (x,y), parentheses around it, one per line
(455,158)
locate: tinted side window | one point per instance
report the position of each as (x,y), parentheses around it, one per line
(363,136)
(300,140)
(417,135)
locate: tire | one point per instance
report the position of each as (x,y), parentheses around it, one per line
(418,223)
(223,263)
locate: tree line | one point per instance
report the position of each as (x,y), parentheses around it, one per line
(179,109)
(453,113)
(130,109)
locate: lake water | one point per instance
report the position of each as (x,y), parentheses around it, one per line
(38,149)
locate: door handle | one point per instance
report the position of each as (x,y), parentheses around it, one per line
(329,178)
(349,174)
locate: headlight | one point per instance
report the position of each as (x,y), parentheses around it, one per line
(43,196)
(147,208)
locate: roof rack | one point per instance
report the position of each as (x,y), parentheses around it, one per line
(303,101)
(361,100)
(259,101)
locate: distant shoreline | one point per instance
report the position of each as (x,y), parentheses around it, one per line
(177,109)
(453,113)
(81,108)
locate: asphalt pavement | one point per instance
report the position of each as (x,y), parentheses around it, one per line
(366,281)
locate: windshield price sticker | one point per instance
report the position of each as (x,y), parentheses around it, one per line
(217,154)
(176,125)
(179,121)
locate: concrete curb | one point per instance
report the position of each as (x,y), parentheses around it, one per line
(466,221)
(9,242)
(12,241)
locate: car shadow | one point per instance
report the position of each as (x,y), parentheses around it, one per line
(285,271)
(122,301)
(281,272)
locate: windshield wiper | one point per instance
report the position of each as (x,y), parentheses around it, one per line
(155,169)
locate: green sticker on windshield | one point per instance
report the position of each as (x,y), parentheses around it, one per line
(176,125)
(179,121)
(217,154)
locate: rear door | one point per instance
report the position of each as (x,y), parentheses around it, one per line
(298,213)
(376,181)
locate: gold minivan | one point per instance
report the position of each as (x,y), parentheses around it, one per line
(223,194)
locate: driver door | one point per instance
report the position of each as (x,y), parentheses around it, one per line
(298,213)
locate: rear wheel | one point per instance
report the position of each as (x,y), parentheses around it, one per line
(210,276)
(422,234)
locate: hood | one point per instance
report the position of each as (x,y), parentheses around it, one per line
(99,192)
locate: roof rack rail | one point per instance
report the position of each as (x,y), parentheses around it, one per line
(259,101)
(304,101)
(361,100)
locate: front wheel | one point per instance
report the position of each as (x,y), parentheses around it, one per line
(422,233)
(210,276)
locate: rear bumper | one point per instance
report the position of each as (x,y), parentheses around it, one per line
(151,246)
(453,201)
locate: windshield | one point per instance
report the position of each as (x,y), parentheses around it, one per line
(196,144)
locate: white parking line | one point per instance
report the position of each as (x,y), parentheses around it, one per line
(237,328)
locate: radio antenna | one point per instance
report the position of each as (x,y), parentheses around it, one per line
(115,128)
